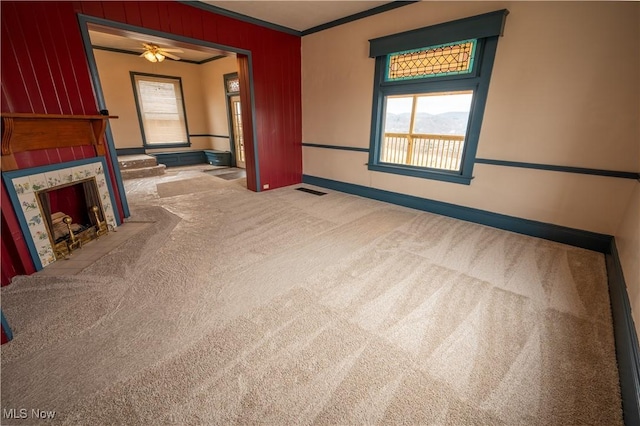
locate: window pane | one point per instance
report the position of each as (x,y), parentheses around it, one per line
(233,85)
(161,110)
(433,61)
(443,113)
(439,125)
(398,114)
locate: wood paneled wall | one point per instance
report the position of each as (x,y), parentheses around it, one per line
(45,70)
(276,73)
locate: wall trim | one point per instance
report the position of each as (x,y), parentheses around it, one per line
(83,21)
(517,164)
(207,135)
(270,25)
(240,17)
(128,52)
(343,148)
(626,339)
(364,14)
(561,234)
(486,25)
(211,59)
(567,169)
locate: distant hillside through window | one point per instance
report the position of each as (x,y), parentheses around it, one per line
(446,123)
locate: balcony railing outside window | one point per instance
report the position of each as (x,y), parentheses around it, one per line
(442,152)
(426,130)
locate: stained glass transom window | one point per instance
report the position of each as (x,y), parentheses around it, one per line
(433,61)
(233,85)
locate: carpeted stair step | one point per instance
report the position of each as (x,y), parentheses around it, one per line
(127,162)
(141,172)
(139,166)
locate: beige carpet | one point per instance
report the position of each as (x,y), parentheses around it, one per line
(288,308)
(189,186)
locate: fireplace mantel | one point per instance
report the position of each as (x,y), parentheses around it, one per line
(29,132)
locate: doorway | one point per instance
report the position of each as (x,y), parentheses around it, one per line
(246,121)
(234,112)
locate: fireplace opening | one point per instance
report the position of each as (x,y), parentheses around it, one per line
(73,215)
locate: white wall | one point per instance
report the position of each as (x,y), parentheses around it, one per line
(564,91)
(202,106)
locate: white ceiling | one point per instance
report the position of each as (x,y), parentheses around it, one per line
(297,15)
(132,42)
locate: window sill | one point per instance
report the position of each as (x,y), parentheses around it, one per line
(421,173)
(167,145)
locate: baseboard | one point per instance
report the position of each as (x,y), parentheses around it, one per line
(626,339)
(130,151)
(561,234)
(180,158)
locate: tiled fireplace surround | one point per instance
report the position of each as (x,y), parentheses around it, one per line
(23,185)
(44,133)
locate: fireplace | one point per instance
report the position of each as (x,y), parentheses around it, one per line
(43,152)
(73,215)
(44,196)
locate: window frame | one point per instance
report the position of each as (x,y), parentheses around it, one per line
(138,101)
(477,80)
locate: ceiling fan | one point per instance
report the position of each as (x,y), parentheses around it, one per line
(155,53)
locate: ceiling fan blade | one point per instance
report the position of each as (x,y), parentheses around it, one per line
(169,55)
(142,54)
(171,50)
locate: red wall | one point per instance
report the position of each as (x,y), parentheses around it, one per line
(276,73)
(44,70)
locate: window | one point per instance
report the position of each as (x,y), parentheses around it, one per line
(430,90)
(232,83)
(426,130)
(452,58)
(160,110)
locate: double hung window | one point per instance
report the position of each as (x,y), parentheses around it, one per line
(430,91)
(161,110)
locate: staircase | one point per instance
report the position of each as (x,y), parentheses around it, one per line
(139,166)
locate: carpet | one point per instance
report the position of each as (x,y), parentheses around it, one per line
(187,186)
(228,174)
(283,308)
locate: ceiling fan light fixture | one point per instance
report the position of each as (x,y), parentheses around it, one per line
(153,53)
(150,56)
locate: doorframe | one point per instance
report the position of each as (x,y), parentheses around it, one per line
(84,20)
(228,95)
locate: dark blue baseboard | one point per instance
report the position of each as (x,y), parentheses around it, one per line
(189,158)
(561,234)
(183,158)
(626,339)
(218,158)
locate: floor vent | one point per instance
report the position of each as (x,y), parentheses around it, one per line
(311,191)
